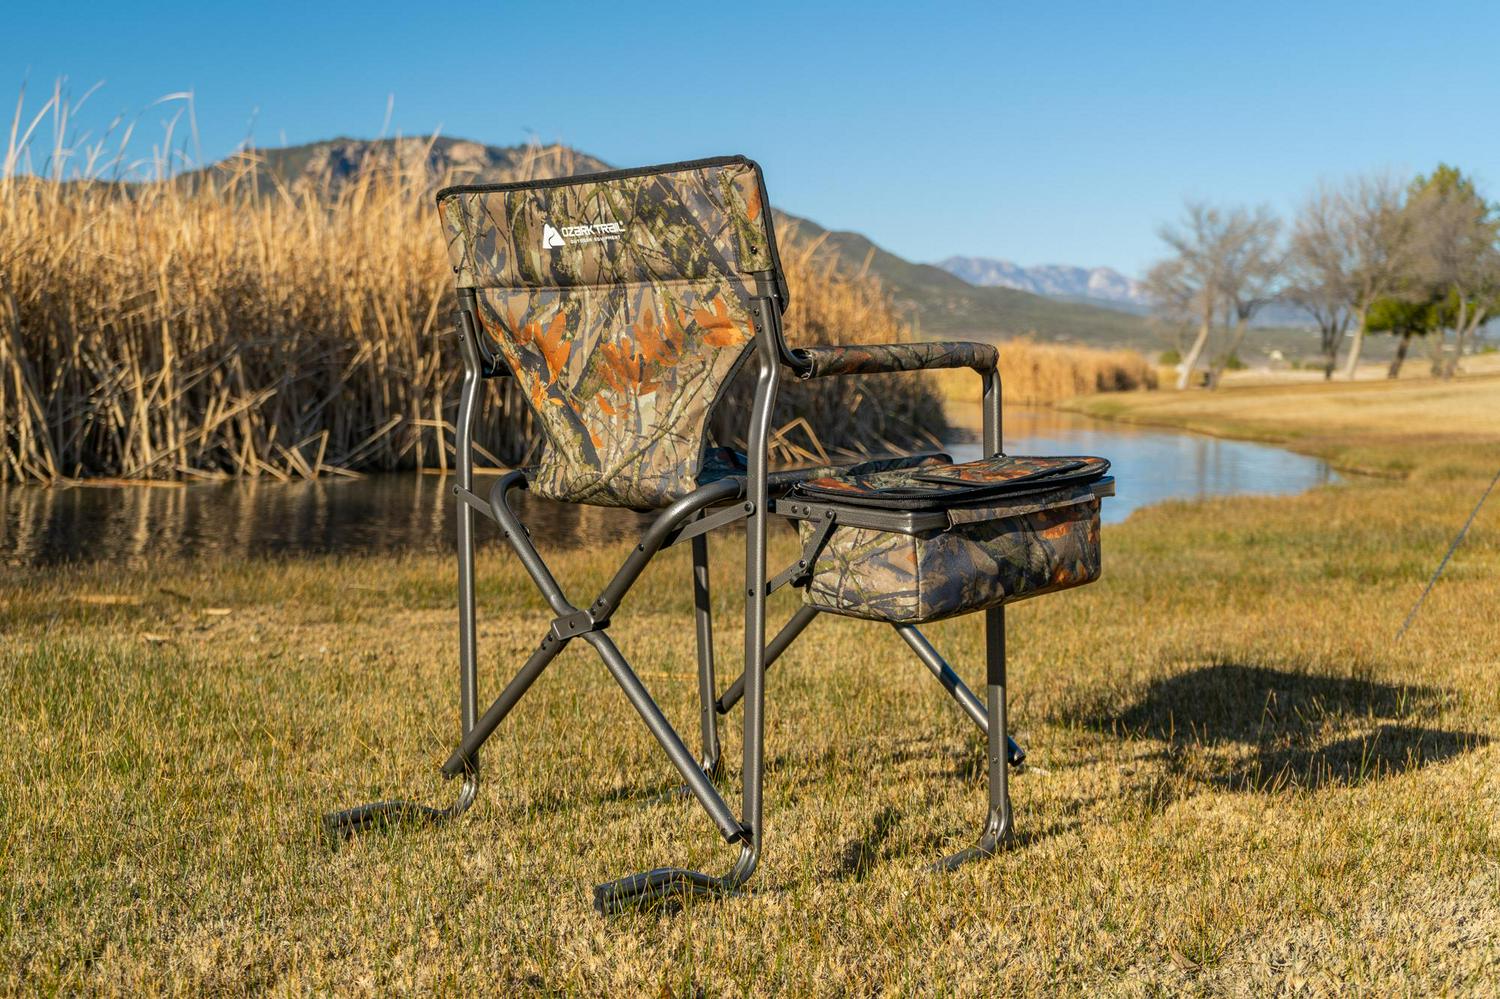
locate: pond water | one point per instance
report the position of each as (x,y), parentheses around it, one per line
(397,513)
(1151,465)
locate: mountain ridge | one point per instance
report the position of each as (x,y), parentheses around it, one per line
(1103,284)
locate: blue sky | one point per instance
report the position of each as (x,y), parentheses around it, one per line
(1043,133)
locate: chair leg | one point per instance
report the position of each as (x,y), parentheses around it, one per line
(342,825)
(956,687)
(708,717)
(665,883)
(668,884)
(589,626)
(998,828)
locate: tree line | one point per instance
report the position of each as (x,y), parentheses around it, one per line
(1373,254)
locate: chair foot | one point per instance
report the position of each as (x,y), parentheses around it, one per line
(670,885)
(998,835)
(663,885)
(338,826)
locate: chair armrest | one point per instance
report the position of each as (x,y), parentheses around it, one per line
(867,359)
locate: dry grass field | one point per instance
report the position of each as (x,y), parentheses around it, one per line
(1242,784)
(1379,427)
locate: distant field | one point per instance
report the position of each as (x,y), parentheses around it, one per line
(1242,783)
(1042,373)
(1417,424)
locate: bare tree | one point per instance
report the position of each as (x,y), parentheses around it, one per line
(1216,262)
(1187,283)
(1249,274)
(1377,234)
(1320,269)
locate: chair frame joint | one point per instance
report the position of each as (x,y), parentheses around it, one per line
(573,625)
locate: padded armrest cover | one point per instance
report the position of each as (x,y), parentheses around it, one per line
(865,359)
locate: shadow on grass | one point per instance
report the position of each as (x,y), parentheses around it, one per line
(1307,731)
(1383,752)
(859,855)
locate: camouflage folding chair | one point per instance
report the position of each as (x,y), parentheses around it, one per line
(624,303)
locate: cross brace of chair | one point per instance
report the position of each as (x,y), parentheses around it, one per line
(689,520)
(716,505)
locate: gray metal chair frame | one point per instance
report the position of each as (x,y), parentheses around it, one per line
(726,501)
(710,507)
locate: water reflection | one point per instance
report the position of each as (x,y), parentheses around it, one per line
(378,514)
(403,513)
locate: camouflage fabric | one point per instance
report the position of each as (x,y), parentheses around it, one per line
(986,559)
(621,304)
(941,485)
(869,359)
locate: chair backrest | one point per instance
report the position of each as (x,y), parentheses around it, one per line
(621,302)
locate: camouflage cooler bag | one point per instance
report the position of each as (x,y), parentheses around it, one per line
(939,540)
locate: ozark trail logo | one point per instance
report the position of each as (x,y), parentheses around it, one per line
(598,232)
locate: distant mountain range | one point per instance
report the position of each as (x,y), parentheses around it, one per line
(974,301)
(944,305)
(1103,286)
(1099,284)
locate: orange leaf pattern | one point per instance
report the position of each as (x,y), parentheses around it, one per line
(720,329)
(554,348)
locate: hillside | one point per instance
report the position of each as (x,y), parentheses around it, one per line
(939,304)
(943,305)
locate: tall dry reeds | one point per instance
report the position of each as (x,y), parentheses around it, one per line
(226,323)
(1036,373)
(204,327)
